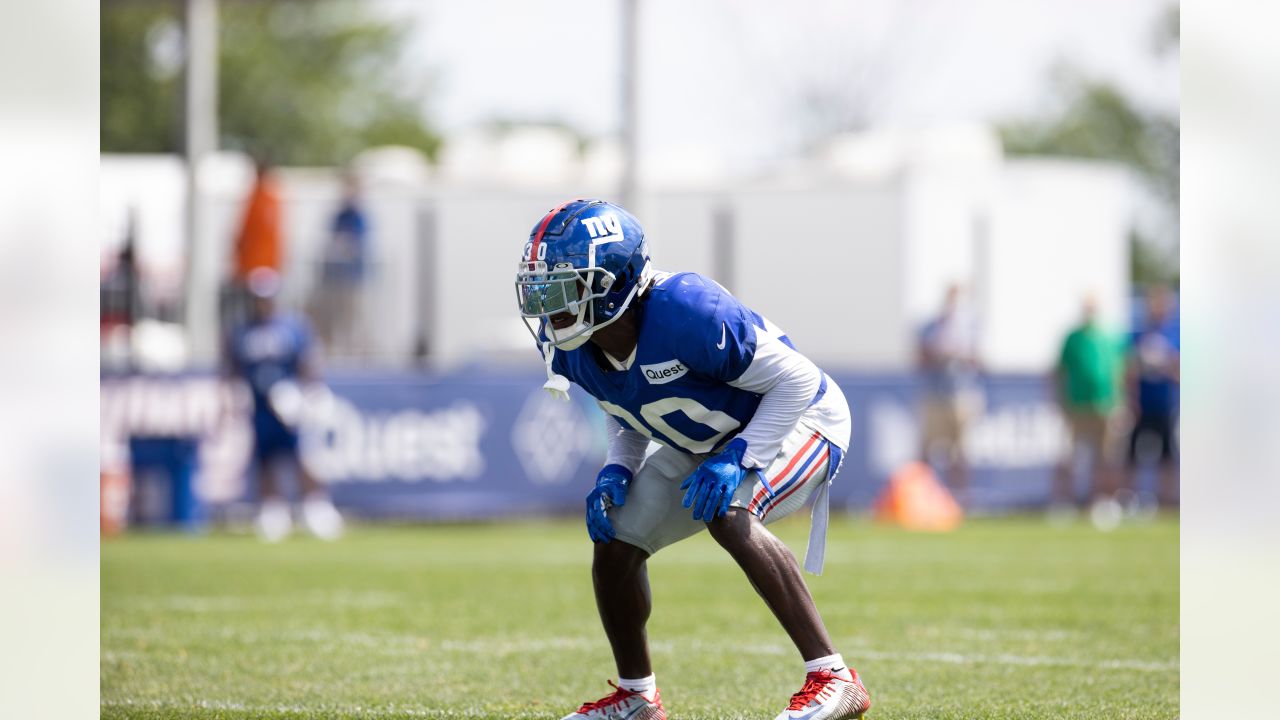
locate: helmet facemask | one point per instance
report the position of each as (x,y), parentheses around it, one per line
(545,292)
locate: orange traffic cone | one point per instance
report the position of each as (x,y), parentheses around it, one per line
(915,499)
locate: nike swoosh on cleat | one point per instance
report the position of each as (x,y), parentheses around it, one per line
(723,331)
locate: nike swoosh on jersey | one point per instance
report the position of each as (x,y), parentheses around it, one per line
(723,330)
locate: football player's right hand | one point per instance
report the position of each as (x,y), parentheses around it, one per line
(611,490)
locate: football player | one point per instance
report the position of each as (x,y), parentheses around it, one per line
(747,429)
(273,354)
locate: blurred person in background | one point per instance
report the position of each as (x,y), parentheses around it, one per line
(343,276)
(273,353)
(952,391)
(258,243)
(658,351)
(120,303)
(1153,375)
(1088,384)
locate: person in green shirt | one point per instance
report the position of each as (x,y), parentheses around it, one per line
(1089,381)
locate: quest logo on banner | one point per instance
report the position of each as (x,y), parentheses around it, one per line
(410,445)
(663,373)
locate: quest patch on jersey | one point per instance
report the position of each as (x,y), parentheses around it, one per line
(662,373)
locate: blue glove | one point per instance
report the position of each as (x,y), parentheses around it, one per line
(710,488)
(611,490)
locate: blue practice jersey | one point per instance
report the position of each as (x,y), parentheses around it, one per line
(264,353)
(1155,349)
(694,340)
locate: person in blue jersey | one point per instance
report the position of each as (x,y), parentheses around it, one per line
(1154,373)
(744,430)
(951,385)
(345,275)
(274,355)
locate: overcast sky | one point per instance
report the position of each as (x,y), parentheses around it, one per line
(728,77)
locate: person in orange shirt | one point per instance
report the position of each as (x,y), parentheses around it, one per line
(259,242)
(257,245)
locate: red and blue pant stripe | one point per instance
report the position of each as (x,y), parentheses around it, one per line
(811,457)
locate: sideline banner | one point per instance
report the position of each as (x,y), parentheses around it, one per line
(489,442)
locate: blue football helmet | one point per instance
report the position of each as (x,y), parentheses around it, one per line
(586,258)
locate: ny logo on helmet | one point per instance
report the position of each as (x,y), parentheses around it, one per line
(603,229)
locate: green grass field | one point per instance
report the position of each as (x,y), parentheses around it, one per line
(1002,619)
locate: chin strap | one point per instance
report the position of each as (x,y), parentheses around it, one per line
(556,384)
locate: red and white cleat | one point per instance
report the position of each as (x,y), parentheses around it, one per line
(828,695)
(621,705)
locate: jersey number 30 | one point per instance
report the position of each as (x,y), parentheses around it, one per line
(655,413)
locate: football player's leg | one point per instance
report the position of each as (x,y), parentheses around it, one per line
(622,596)
(1063,494)
(266,447)
(832,690)
(775,574)
(642,526)
(275,520)
(318,513)
(800,467)
(1167,491)
(957,460)
(1135,437)
(646,523)
(268,472)
(1104,459)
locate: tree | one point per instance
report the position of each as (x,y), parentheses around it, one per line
(307,83)
(140,107)
(1148,265)
(1098,121)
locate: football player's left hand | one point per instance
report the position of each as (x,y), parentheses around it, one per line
(710,488)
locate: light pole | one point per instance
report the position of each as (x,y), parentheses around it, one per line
(200,137)
(630,109)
